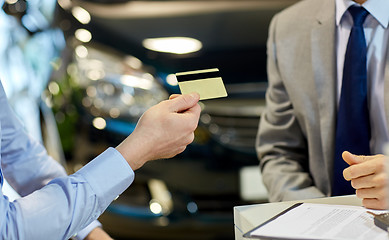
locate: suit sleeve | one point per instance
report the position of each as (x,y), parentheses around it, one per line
(281,144)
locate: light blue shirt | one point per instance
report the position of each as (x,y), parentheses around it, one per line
(53,205)
(377,39)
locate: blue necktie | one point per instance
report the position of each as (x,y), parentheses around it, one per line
(353,124)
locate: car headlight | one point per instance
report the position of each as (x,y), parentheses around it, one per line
(114,85)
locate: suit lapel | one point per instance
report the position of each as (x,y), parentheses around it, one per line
(324,66)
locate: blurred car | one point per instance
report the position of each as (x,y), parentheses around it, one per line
(110,76)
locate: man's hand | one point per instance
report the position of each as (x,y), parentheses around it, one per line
(98,234)
(368,176)
(163,131)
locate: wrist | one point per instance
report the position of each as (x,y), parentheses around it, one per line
(98,234)
(131,150)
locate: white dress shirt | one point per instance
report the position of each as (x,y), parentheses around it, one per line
(377,40)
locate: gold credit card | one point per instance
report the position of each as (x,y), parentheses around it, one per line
(208,83)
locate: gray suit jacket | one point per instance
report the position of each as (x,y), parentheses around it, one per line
(296,135)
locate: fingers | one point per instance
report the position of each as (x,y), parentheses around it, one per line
(178,148)
(374,203)
(370,181)
(184,102)
(189,115)
(367,165)
(374,198)
(185,142)
(368,176)
(195,110)
(168,127)
(372,190)
(376,192)
(352,159)
(349,158)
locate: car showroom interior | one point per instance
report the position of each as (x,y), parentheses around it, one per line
(80,74)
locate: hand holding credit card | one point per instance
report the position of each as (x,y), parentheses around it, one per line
(207,83)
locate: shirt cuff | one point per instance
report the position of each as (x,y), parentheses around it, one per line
(109,175)
(84,232)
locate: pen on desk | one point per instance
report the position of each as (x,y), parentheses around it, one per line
(381,220)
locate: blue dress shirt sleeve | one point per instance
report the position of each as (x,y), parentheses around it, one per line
(84,232)
(53,205)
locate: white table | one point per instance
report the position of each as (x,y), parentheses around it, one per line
(249,216)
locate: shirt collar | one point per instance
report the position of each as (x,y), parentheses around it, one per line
(379,9)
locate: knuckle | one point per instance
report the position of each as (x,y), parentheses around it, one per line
(185,99)
(382,164)
(189,139)
(381,180)
(379,203)
(181,149)
(359,193)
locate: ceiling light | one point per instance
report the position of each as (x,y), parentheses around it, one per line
(176,45)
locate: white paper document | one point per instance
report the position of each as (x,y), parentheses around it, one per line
(321,221)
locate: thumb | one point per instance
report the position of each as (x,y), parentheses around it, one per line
(184,102)
(352,159)
(173,96)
